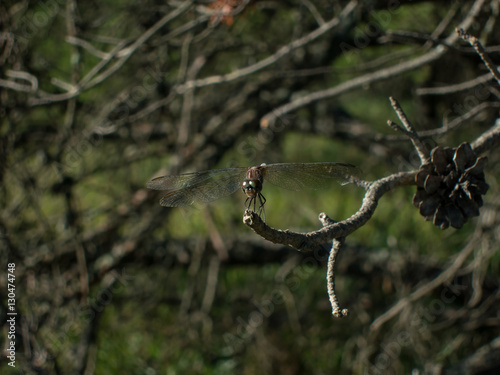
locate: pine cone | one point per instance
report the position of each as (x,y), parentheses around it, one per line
(449,189)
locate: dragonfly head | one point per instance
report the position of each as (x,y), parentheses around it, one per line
(251,187)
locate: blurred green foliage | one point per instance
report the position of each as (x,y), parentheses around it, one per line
(153,325)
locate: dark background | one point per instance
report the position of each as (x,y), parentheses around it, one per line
(97,98)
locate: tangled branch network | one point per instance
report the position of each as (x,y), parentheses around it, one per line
(450,184)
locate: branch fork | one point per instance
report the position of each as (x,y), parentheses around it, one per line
(336,232)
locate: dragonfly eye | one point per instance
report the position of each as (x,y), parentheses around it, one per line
(249,185)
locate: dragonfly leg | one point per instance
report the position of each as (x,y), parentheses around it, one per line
(262,202)
(248,202)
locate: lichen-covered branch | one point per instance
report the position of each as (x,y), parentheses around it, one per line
(306,242)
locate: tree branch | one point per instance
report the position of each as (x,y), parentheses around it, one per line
(283,51)
(306,242)
(422,151)
(474,42)
(369,78)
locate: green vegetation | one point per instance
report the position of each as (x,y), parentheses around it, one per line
(110,282)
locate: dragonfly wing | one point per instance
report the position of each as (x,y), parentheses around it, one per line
(201,187)
(177,182)
(296,176)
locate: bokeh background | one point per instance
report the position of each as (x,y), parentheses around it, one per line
(97,98)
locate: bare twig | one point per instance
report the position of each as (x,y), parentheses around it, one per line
(330,274)
(488,140)
(369,78)
(283,51)
(185,27)
(314,11)
(215,236)
(422,151)
(447,126)
(352,84)
(211,286)
(13,85)
(91,79)
(444,23)
(194,267)
(87,46)
(427,288)
(73,90)
(449,89)
(6,46)
(330,279)
(474,42)
(185,127)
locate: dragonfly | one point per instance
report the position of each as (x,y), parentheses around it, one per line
(203,187)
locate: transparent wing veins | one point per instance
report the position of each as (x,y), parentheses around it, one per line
(296,176)
(201,187)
